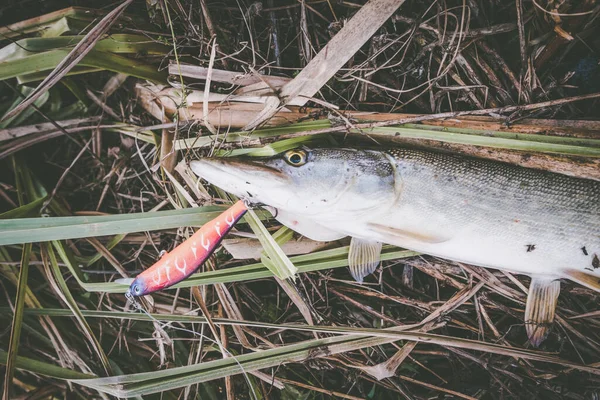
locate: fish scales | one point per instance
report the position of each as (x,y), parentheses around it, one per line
(498,215)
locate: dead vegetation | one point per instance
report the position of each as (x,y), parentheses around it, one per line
(510,80)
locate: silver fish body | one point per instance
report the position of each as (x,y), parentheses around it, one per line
(495,215)
(464,209)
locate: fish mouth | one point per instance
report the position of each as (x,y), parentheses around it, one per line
(234,167)
(238,176)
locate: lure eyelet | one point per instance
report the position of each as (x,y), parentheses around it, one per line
(296,158)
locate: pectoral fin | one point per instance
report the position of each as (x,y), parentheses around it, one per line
(363,257)
(540,308)
(400,236)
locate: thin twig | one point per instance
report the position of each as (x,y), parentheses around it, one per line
(72,59)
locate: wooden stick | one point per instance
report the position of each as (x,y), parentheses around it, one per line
(331,58)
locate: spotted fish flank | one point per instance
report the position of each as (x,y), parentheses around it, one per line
(185,259)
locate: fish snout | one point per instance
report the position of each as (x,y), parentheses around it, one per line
(209,169)
(255,180)
(217,169)
(204,164)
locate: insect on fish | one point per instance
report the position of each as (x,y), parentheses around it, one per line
(471,210)
(186,258)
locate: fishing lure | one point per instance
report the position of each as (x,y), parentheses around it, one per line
(186,258)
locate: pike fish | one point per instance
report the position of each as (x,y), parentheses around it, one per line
(470,210)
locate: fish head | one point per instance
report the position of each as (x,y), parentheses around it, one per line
(323,183)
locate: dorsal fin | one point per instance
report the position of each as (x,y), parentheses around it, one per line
(363,257)
(540,308)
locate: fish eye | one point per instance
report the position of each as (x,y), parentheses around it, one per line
(295,158)
(136,289)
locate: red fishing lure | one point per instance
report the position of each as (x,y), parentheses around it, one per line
(185,259)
